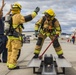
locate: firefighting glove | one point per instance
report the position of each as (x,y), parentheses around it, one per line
(37,9)
(57,34)
(36,33)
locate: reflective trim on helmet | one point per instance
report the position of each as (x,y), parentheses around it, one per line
(16,5)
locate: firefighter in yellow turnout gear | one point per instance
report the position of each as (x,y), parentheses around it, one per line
(47,26)
(14,43)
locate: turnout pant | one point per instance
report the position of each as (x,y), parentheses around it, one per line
(14,47)
(40,42)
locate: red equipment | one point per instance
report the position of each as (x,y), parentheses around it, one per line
(40,57)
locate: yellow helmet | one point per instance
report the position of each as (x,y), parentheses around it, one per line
(16,6)
(50,12)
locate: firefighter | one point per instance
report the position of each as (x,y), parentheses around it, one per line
(48,26)
(14,43)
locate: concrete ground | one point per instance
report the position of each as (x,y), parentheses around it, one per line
(69,50)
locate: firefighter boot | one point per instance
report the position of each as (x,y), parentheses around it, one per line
(36,56)
(12,67)
(60,56)
(17,67)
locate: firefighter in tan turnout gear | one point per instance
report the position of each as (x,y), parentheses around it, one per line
(14,43)
(47,26)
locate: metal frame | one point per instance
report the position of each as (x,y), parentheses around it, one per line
(35,72)
(34,68)
(63,71)
(63,68)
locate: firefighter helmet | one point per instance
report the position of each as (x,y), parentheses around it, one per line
(50,12)
(16,6)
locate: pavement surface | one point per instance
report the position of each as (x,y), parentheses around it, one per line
(69,50)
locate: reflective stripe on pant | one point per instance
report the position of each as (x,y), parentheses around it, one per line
(13,50)
(56,45)
(39,43)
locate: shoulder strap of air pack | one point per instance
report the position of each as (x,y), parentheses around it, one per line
(53,21)
(11,24)
(43,20)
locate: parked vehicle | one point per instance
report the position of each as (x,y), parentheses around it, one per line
(26,39)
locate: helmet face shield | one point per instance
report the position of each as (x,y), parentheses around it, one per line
(48,16)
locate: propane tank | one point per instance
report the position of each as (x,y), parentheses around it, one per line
(7,23)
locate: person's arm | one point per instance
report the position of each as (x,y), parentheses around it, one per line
(7,14)
(3,4)
(38,24)
(31,16)
(1,9)
(58,27)
(9,11)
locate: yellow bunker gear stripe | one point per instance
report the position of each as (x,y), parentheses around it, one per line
(33,14)
(58,28)
(37,51)
(14,26)
(59,52)
(36,28)
(12,37)
(11,66)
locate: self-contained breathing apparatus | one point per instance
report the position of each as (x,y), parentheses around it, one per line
(42,24)
(9,30)
(45,29)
